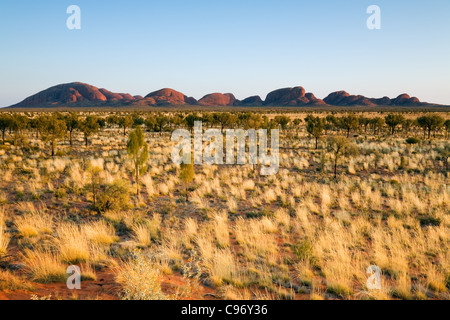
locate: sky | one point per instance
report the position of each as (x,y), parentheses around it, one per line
(247,47)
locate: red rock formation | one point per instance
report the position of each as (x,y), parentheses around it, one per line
(405,100)
(79,94)
(385,101)
(336,98)
(313,100)
(250,101)
(217,99)
(116,96)
(296,96)
(168,97)
(342,98)
(72,94)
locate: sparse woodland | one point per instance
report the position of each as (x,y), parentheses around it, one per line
(353,190)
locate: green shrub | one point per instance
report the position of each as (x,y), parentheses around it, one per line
(412,140)
(429,221)
(339,289)
(61,192)
(303,251)
(115,196)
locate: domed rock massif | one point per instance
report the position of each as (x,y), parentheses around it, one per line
(78,94)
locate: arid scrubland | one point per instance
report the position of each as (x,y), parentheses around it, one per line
(299,234)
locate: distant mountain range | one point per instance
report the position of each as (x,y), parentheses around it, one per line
(79,94)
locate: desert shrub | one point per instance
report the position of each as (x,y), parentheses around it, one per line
(339,289)
(140,279)
(20,195)
(116,196)
(412,140)
(303,251)
(263,212)
(61,192)
(394,182)
(429,221)
(403,163)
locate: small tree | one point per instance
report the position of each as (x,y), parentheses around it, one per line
(125,122)
(268,124)
(430,123)
(33,125)
(377,124)
(225,119)
(282,121)
(447,127)
(138,120)
(94,173)
(72,123)
(101,123)
(137,148)
(150,123)
(444,154)
(348,123)
(18,124)
(407,125)
(315,126)
(331,123)
(190,120)
(187,175)
(393,121)
(5,123)
(340,146)
(207,119)
(112,120)
(89,126)
(53,129)
(297,123)
(161,123)
(364,122)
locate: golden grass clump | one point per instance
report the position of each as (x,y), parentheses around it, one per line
(100,233)
(147,231)
(44,266)
(73,244)
(4,241)
(34,224)
(11,282)
(222,267)
(190,228)
(221,230)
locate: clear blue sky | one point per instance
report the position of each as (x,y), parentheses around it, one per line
(246,47)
